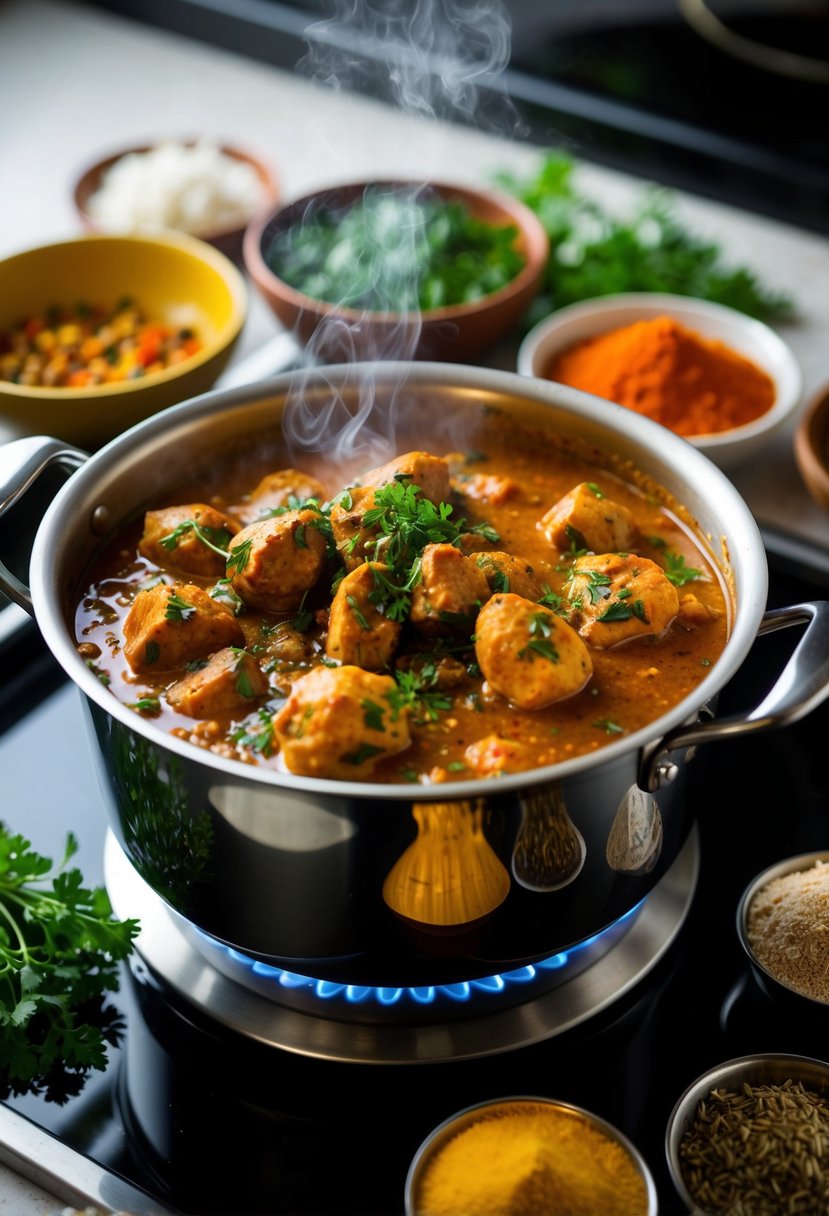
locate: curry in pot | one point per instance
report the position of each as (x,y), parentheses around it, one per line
(440,617)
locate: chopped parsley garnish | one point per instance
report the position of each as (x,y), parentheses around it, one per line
(195,665)
(216,539)
(621,610)
(597,584)
(304,618)
(372,714)
(456,766)
(258,733)
(540,629)
(415,691)
(146,705)
(152,650)
(594,490)
(357,612)
(299,536)
(705,662)
(609,727)
(678,572)
(405,523)
(244,686)
(178,609)
(239,556)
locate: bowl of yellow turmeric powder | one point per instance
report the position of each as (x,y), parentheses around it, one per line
(528,1155)
(722,380)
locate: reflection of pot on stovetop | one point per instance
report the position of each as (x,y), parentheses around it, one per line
(311,873)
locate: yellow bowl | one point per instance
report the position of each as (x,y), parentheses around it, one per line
(175,279)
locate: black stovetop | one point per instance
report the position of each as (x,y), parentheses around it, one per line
(208,1123)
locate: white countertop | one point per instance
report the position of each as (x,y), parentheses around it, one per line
(76,82)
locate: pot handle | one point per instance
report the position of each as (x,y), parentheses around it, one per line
(21,463)
(803,684)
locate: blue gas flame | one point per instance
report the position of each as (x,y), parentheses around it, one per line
(358,994)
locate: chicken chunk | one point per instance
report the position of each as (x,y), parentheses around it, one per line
(231,679)
(187,551)
(429,473)
(274,562)
(358,631)
(586,519)
(493,754)
(528,654)
(277,490)
(503,572)
(350,536)
(488,487)
(167,627)
(616,598)
(693,613)
(339,722)
(449,592)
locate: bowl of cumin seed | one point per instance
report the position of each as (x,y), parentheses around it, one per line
(751,1135)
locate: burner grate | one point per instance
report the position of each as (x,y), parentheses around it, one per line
(172,953)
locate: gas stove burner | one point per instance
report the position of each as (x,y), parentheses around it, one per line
(363,1002)
(173,953)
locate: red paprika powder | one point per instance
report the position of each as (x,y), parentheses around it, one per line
(690,384)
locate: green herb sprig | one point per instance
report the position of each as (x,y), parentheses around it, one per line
(594,253)
(59,952)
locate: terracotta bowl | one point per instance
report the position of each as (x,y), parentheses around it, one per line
(228,240)
(457,332)
(811,447)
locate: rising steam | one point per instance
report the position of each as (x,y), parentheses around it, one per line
(435,59)
(430,58)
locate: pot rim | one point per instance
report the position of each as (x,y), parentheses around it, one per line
(745,549)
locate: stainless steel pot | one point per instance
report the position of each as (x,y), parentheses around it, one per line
(313,874)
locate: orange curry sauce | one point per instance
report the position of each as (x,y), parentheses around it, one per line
(459,726)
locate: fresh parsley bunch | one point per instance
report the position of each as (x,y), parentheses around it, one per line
(594,253)
(59,954)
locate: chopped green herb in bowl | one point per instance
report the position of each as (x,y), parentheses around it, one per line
(399,269)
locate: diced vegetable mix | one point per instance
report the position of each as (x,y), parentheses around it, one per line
(394,252)
(87,345)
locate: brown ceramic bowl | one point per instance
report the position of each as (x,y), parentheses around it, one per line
(811,447)
(227,239)
(457,332)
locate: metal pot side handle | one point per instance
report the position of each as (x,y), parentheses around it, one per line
(801,687)
(21,463)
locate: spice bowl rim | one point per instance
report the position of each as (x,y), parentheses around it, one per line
(752,338)
(468,1115)
(771,984)
(811,446)
(758,1068)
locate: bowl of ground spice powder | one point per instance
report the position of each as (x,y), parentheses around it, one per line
(750,1137)
(783,926)
(721,379)
(528,1155)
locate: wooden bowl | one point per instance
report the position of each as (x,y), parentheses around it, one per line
(454,333)
(228,239)
(811,447)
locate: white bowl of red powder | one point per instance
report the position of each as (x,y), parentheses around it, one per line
(723,380)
